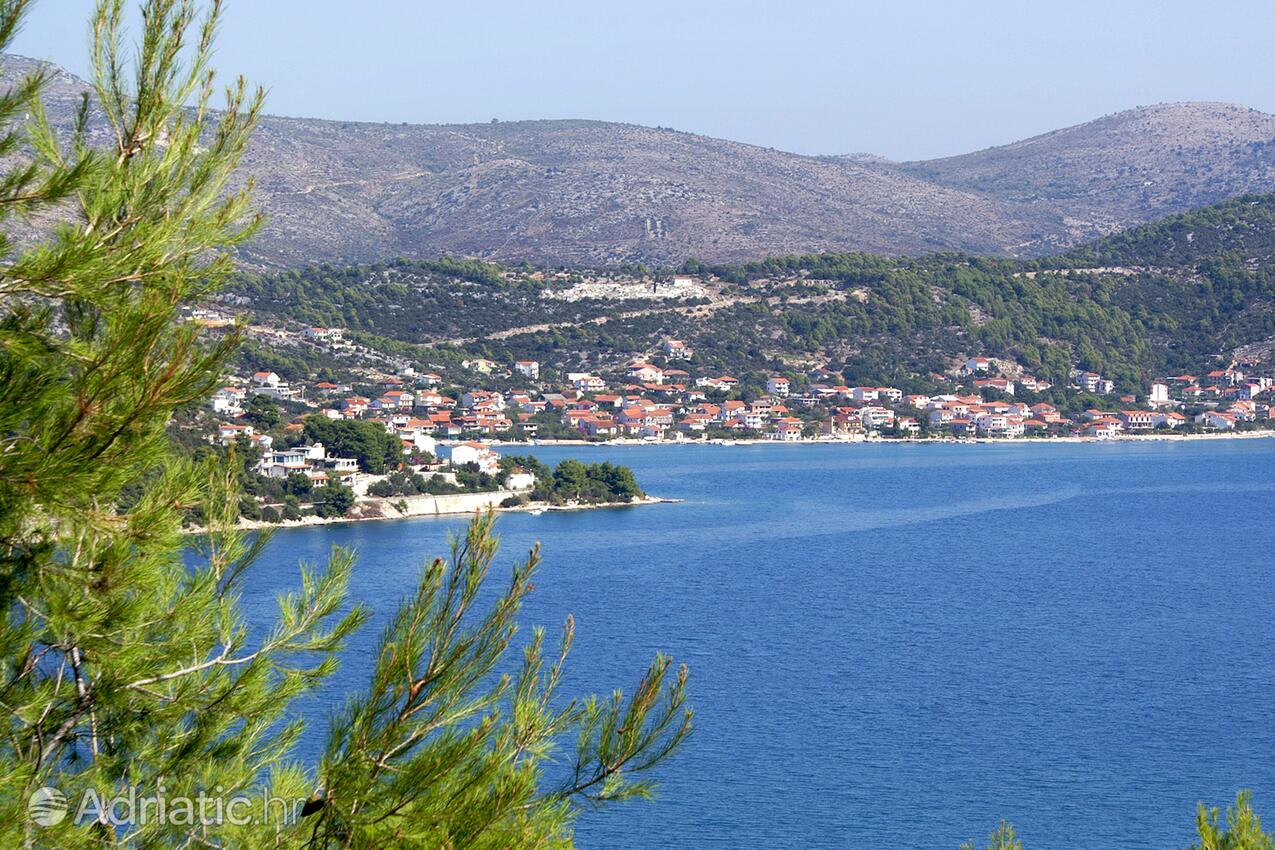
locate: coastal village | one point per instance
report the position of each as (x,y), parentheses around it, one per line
(455,424)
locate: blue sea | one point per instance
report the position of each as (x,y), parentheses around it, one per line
(899,645)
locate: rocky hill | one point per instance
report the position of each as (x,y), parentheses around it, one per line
(588,192)
(1125,168)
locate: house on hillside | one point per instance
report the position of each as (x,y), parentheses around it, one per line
(675,349)
(323,334)
(354,406)
(864,394)
(646,373)
(977,365)
(588,383)
(229,400)
(266,379)
(269,383)
(1003,385)
(481,365)
(228,432)
(777,385)
(1092,382)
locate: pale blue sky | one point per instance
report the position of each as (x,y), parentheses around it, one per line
(905,79)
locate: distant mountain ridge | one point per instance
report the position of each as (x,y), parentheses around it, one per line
(596,193)
(1129,167)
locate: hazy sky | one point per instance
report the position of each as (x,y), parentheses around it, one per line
(902,79)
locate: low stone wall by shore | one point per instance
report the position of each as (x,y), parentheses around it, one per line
(427,506)
(452,503)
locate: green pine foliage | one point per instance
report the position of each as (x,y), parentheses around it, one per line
(438,736)
(1002,839)
(1242,830)
(1234,231)
(594,483)
(376,450)
(126,661)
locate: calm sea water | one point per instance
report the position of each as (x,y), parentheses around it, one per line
(898,645)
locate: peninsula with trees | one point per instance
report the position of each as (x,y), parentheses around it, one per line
(152,381)
(1168,329)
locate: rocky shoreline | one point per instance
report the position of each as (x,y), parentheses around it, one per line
(387,509)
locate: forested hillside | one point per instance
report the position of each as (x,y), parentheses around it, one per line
(1240,232)
(1174,295)
(419,300)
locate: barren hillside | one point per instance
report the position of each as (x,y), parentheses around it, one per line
(1123,169)
(588,192)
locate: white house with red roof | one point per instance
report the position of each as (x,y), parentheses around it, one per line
(1214,419)
(940,416)
(999,425)
(430,399)
(725,382)
(228,432)
(323,334)
(1033,384)
(269,383)
(483,399)
(1003,385)
(1105,426)
(589,383)
(266,379)
(646,373)
(460,454)
(874,416)
(890,394)
(394,400)
(675,349)
(229,400)
(1138,420)
(599,425)
(354,405)
(730,410)
(788,430)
